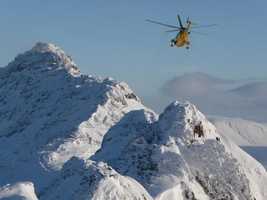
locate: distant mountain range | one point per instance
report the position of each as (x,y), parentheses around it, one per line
(69,136)
(245,99)
(242,132)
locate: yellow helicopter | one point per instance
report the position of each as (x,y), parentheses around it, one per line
(182,38)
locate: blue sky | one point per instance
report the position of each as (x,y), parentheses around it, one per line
(111,38)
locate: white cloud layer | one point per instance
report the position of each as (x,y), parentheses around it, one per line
(215,96)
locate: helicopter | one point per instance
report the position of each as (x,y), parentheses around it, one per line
(182,37)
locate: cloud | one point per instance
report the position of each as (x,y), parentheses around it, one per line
(193,84)
(214,96)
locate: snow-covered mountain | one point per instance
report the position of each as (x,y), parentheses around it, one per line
(242,132)
(72,136)
(49,113)
(169,161)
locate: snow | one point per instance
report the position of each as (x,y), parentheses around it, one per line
(97,181)
(66,61)
(22,190)
(173,158)
(242,132)
(46,119)
(180,118)
(254,171)
(250,136)
(178,191)
(81,137)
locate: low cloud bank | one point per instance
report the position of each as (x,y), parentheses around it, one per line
(215,96)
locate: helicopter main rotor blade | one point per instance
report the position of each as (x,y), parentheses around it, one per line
(169,31)
(198,33)
(180,21)
(162,24)
(204,26)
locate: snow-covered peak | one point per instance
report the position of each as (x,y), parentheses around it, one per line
(179,120)
(182,112)
(46,47)
(52,115)
(172,162)
(44,57)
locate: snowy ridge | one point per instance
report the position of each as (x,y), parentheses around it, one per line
(65,61)
(48,115)
(96,181)
(180,118)
(81,137)
(45,55)
(168,160)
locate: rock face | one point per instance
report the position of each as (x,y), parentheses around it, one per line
(81,137)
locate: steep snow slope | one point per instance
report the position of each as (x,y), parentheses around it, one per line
(166,158)
(242,132)
(254,171)
(96,181)
(250,136)
(49,113)
(18,191)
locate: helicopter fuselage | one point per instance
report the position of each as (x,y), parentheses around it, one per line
(181,39)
